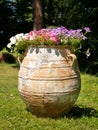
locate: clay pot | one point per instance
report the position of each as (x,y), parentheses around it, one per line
(49,80)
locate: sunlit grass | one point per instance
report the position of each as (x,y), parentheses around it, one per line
(15,116)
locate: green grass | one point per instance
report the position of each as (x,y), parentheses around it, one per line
(14,115)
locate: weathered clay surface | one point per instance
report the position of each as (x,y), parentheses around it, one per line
(49,81)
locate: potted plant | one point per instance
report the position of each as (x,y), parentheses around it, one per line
(49,80)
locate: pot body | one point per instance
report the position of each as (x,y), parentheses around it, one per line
(49,81)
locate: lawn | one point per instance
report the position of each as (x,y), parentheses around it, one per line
(15,116)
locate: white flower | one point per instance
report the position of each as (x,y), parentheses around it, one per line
(19,36)
(12,40)
(9,45)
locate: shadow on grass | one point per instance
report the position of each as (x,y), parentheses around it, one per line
(79,111)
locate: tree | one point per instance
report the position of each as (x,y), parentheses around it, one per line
(38,14)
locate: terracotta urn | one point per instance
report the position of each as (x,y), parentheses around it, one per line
(49,80)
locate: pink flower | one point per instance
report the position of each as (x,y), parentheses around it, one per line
(31,35)
(54,39)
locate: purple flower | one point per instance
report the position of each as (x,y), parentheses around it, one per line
(87,29)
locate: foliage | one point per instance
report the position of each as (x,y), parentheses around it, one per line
(5,22)
(15,116)
(23,10)
(13,20)
(17,17)
(75,14)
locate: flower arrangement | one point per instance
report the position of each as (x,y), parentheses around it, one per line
(48,37)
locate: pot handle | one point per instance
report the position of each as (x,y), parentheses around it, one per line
(74,62)
(73,58)
(19,61)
